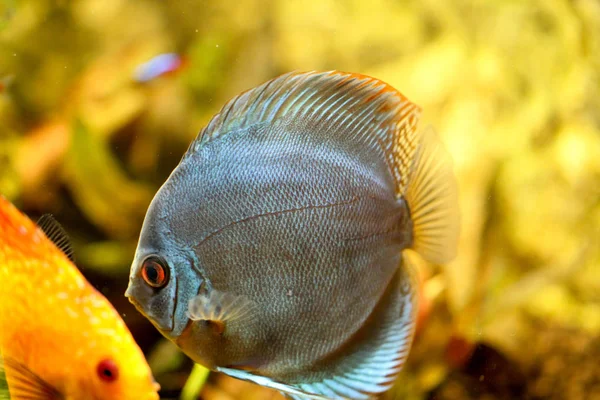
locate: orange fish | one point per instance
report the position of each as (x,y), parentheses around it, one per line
(59,337)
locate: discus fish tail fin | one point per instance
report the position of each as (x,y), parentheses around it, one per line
(432,197)
(219,307)
(19,382)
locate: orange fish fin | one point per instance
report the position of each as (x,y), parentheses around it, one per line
(219,307)
(23,384)
(351,108)
(57,234)
(286,390)
(432,197)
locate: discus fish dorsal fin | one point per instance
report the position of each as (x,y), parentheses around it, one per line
(24,384)
(345,105)
(368,112)
(432,197)
(219,307)
(57,234)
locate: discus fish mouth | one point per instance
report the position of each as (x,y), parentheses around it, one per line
(165,325)
(135,303)
(161,327)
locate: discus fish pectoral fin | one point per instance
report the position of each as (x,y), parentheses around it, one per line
(22,383)
(220,307)
(286,390)
(432,197)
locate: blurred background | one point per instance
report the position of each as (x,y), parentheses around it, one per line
(89,131)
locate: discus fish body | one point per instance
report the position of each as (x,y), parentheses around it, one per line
(60,339)
(274,251)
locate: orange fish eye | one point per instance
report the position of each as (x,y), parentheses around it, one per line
(155,272)
(107,370)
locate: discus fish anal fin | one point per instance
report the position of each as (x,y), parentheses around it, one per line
(286,390)
(373,370)
(22,383)
(370,371)
(219,307)
(57,234)
(432,197)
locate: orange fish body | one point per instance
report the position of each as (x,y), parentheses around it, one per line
(59,337)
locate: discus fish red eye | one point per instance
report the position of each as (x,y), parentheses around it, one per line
(107,370)
(154,272)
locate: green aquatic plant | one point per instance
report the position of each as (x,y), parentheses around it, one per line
(195,382)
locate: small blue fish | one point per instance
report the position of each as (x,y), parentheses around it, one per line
(158,66)
(275,251)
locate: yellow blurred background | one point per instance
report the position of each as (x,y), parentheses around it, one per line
(512,87)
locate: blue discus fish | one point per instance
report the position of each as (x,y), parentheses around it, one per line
(274,252)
